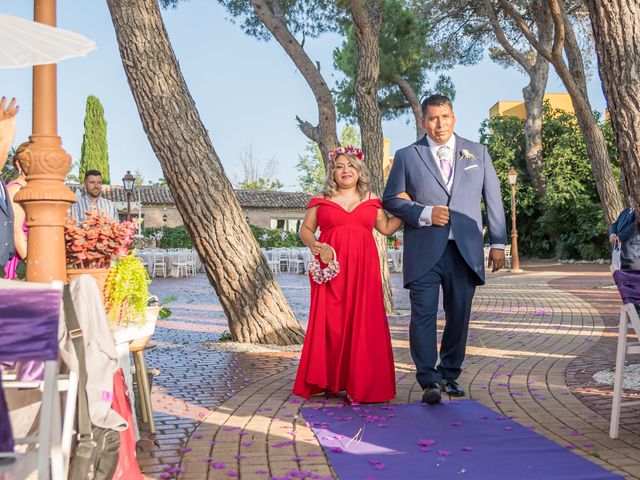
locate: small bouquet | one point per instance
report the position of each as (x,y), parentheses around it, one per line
(323,275)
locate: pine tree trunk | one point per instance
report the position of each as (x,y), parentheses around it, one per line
(413,99)
(617,36)
(251,298)
(325,133)
(533,95)
(367,18)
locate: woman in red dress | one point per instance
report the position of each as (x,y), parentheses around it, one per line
(347,345)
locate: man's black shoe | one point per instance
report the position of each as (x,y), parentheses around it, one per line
(431,393)
(452,388)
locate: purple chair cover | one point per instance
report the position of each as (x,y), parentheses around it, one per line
(628,283)
(29,331)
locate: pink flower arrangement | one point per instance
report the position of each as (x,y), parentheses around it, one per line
(97,241)
(322,275)
(348,150)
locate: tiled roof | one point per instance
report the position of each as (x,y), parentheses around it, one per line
(151,195)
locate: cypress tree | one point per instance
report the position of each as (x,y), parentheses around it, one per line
(94,154)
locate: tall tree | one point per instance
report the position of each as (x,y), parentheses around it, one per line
(93,153)
(367,20)
(251,298)
(537,68)
(406,57)
(573,76)
(617,35)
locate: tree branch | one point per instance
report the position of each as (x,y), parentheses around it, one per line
(502,38)
(526,31)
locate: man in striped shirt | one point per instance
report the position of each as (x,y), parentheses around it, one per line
(91,199)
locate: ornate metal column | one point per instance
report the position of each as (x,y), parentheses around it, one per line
(45,198)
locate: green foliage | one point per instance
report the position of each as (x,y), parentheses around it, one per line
(169,237)
(127,290)
(275,238)
(226,336)
(405,52)
(261,183)
(568,222)
(93,153)
(311,166)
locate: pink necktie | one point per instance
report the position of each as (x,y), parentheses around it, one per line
(445,165)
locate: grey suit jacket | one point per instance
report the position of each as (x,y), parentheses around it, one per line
(415,171)
(7,246)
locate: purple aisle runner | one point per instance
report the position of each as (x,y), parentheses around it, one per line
(452,440)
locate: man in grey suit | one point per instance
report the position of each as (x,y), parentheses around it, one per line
(446,178)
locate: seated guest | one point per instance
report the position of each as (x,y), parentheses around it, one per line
(624,231)
(91,199)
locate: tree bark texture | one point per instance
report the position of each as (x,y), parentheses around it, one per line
(256,310)
(617,36)
(413,99)
(325,133)
(572,77)
(367,19)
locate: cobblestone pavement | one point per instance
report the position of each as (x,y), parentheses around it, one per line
(534,342)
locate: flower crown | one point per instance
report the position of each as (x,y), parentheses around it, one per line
(348,150)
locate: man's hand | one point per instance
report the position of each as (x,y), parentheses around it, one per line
(403,196)
(440,216)
(496,259)
(613,239)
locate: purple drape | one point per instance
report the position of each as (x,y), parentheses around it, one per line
(28,331)
(628,283)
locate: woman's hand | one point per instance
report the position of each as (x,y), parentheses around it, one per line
(317,248)
(403,196)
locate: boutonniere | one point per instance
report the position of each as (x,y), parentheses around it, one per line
(466,154)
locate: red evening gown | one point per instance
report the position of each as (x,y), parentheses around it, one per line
(348,345)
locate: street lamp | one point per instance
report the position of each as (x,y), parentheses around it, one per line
(515,260)
(128,181)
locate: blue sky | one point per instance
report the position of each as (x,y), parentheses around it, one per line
(248,92)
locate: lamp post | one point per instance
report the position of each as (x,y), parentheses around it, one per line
(128,181)
(515,260)
(45,198)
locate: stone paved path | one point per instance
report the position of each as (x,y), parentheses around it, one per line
(221,414)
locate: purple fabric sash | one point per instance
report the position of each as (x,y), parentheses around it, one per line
(28,331)
(29,324)
(628,283)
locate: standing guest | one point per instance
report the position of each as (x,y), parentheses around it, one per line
(446,177)
(19,222)
(624,233)
(348,345)
(7,134)
(91,199)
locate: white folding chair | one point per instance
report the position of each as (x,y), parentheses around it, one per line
(628,282)
(507,256)
(179,265)
(159,265)
(37,305)
(191,262)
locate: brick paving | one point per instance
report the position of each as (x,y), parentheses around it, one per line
(534,342)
